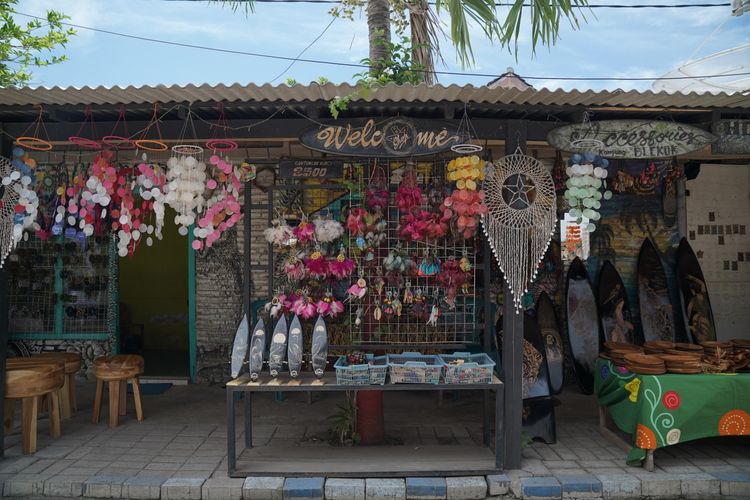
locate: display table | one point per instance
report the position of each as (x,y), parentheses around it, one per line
(387,461)
(662,410)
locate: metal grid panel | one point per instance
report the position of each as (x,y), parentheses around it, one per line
(31,288)
(85,276)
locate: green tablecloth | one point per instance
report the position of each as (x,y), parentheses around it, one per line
(662,410)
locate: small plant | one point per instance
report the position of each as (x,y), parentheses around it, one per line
(291,82)
(344,422)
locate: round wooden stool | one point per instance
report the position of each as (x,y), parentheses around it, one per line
(29,383)
(117,370)
(72,362)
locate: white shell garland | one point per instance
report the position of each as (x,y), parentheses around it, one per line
(186,180)
(521,218)
(19,192)
(587,174)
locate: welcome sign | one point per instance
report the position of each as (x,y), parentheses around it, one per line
(394,137)
(630,138)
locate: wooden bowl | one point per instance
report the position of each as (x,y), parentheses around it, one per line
(622,346)
(33,380)
(644,360)
(684,346)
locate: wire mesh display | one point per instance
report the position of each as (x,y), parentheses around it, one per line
(31,287)
(413,306)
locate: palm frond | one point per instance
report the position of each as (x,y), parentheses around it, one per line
(246,6)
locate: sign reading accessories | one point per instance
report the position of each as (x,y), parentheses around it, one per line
(630,138)
(390,137)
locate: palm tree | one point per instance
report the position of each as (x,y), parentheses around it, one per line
(425,26)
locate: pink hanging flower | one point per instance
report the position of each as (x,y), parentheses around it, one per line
(356,291)
(341,267)
(304,232)
(355,223)
(295,269)
(317,266)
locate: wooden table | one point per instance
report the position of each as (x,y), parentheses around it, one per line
(370,461)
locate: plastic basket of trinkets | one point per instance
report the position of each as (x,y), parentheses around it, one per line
(361,369)
(465,368)
(415,368)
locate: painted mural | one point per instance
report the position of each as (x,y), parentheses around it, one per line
(643,206)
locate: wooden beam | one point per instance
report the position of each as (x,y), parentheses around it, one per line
(6,147)
(515,137)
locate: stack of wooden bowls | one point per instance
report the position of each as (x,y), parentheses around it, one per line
(741,354)
(682,363)
(645,364)
(616,351)
(717,357)
(657,346)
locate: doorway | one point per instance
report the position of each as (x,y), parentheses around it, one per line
(154,303)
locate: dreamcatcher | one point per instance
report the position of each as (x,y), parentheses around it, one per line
(521,218)
(8,204)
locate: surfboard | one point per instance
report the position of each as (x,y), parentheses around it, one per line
(583,325)
(538,421)
(319,347)
(257,347)
(696,306)
(294,353)
(277,351)
(549,328)
(535,377)
(657,316)
(239,349)
(614,308)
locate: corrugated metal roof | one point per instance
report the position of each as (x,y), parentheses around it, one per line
(389,93)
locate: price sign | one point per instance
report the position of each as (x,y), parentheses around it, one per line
(311,169)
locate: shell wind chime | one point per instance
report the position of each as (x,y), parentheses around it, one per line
(520,219)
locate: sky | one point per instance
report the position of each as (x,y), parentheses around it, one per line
(612,43)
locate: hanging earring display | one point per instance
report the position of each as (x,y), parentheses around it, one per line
(119,142)
(521,218)
(34,141)
(220,141)
(86,142)
(152,144)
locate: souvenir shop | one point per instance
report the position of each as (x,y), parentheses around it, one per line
(454,242)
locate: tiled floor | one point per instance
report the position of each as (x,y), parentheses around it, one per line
(184,437)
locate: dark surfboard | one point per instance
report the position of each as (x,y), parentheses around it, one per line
(294,355)
(538,421)
(239,348)
(319,347)
(537,384)
(549,328)
(257,347)
(696,306)
(614,308)
(583,325)
(657,315)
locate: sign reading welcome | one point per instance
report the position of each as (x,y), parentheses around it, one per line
(630,138)
(390,137)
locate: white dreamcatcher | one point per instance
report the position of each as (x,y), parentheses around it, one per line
(521,218)
(8,204)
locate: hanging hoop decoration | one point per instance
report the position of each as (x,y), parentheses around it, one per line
(35,142)
(221,144)
(521,218)
(154,145)
(187,149)
(119,142)
(86,142)
(466,129)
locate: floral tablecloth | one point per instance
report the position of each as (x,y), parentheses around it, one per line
(662,410)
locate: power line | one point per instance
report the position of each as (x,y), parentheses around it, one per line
(508,4)
(333,18)
(363,66)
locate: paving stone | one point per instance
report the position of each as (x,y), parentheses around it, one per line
(345,489)
(734,483)
(516,479)
(143,487)
(104,486)
(53,451)
(193,474)
(562,464)
(580,486)
(713,469)
(546,487)
(584,453)
(620,486)
(466,488)
(24,485)
(304,488)
(498,484)
(535,466)
(177,488)
(63,485)
(263,488)
(547,453)
(598,464)
(699,486)
(385,489)
(655,484)
(16,464)
(425,488)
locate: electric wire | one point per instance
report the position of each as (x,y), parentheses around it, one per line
(509,4)
(363,66)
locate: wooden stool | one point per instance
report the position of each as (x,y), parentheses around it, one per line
(117,370)
(30,383)
(25,362)
(72,362)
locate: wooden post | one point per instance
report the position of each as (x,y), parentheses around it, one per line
(6,147)
(246,284)
(515,137)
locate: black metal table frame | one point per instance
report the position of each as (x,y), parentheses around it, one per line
(241,386)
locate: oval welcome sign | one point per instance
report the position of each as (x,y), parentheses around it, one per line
(391,137)
(630,138)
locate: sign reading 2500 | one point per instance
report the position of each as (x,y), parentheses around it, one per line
(390,137)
